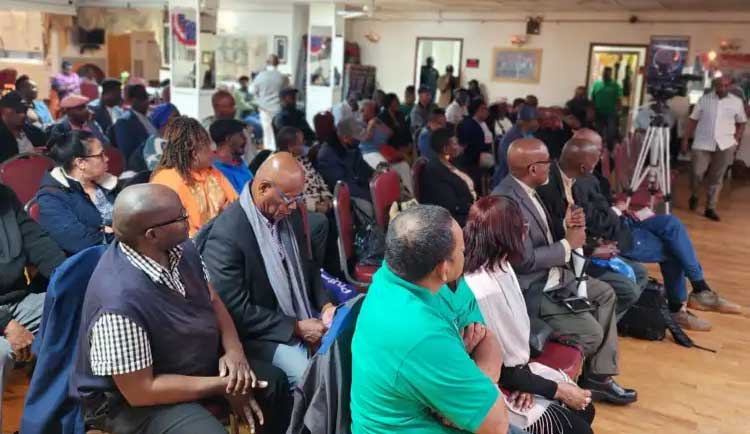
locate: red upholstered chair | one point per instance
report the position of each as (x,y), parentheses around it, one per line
(385,189)
(23,174)
(32,209)
(325,126)
(416,174)
(342,210)
(563,357)
(116,163)
(90,90)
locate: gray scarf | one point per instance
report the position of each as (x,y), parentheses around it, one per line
(288,282)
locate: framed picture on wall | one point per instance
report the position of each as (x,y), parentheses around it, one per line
(519,65)
(281,48)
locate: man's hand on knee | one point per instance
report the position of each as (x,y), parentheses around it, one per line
(20,340)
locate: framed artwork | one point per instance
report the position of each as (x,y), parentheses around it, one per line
(281,48)
(519,65)
(319,53)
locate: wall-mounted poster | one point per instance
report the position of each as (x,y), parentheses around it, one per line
(281,48)
(321,38)
(520,65)
(667,57)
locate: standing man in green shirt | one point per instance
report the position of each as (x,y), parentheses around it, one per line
(606,95)
(422,362)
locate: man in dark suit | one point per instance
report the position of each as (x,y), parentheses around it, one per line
(106,109)
(657,238)
(133,128)
(291,116)
(546,278)
(253,253)
(557,196)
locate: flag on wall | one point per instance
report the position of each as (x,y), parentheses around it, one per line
(184,29)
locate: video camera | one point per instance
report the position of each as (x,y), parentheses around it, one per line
(665,79)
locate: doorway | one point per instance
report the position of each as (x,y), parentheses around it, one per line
(628,66)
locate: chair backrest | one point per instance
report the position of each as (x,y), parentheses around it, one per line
(622,166)
(89,90)
(416,174)
(116,164)
(325,125)
(24,172)
(342,210)
(306,224)
(606,169)
(32,209)
(385,189)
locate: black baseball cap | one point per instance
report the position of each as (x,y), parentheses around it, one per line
(289,91)
(424,89)
(14,100)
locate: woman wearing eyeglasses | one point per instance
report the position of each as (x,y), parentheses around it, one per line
(75,198)
(186,167)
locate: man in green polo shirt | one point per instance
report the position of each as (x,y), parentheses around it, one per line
(606,95)
(414,367)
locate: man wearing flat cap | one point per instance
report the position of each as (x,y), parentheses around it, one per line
(16,135)
(77,117)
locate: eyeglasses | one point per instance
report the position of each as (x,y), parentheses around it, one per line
(99,156)
(183,216)
(286,199)
(538,162)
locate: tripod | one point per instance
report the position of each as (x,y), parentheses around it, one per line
(655,148)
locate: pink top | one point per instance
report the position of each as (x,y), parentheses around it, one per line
(67,83)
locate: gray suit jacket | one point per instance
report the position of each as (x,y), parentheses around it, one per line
(539,255)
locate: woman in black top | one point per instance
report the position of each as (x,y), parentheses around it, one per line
(393,119)
(441,183)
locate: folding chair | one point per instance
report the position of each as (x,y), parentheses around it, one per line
(342,210)
(385,189)
(24,172)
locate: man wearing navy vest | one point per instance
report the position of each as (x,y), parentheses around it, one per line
(156,341)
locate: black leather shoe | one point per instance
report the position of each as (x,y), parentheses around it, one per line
(711,214)
(693,203)
(608,390)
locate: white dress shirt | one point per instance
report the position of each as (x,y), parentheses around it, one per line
(717,119)
(266,88)
(455,113)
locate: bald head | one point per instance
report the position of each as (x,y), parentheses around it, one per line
(589,135)
(281,167)
(140,207)
(277,186)
(524,152)
(579,156)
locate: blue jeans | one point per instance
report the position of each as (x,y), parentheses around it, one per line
(664,239)
(292,359)
(254,121)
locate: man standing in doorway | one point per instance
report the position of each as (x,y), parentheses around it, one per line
(718,121)
(606,95)
(266,87)
(428,76)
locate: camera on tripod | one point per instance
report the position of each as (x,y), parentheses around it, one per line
(665,78)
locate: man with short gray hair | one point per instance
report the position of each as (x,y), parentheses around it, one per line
(422,359)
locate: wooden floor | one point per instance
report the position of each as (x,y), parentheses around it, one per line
(680,390)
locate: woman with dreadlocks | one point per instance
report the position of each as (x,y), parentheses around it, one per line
(185,167)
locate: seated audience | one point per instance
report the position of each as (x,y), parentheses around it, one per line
(291,116)
(392,118)
(186,167)
(148,157)
(318,199)
(341,160)
(156,342)
(475,138)
(243,98)
(410,98)
(659,238)
(75,198)
(543,400)
(525,126)
(477,91)
(553,131)
(23,243)
(421,111)
(77,117)
(229,137)
(38,114)
(346,109)
(546,277)
(106,110)
(441,183)
(581,107)
(254,256)
(458,109)
(515,109)
(133,128)
(558,195)
(16,135)
(417,363)
(435,122)
(531,101)
(224,107)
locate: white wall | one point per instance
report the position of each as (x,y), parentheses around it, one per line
(565,44)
